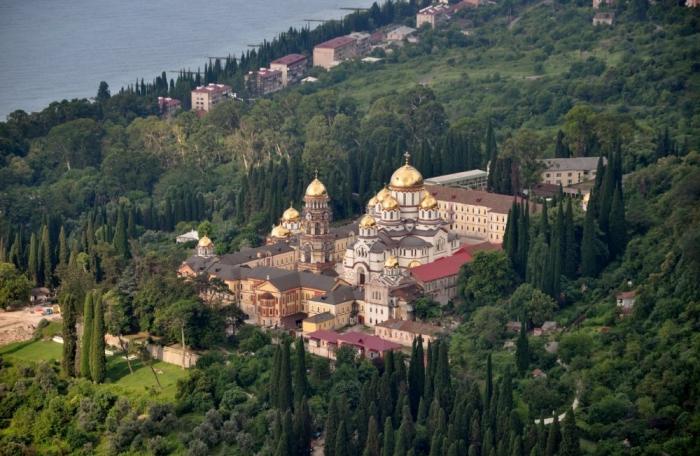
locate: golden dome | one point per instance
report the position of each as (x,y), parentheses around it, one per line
(390,204)
(316,188)
(413,264)
(367,221)
(373,201)
(204,242)
(383,193)
(291,215)
(279,232)
(407,176)
(428,202)
(391,262)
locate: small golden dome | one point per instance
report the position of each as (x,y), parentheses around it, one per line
(204,242)
(316,188)
(291,215)
(367,221)
(373,201)
(407,176)
(383,193)
(279,232)
(390,204)
(413,264)
(428,202)
(391,262)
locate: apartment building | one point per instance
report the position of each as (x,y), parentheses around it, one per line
(292,66)
(204,98)
(569,171)
(433,15)
(332,52)
(264,81)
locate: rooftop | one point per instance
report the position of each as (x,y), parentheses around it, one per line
(449,266)
(570,164)
(368,342)
(496,202)
(413,327)
(320,318)
(335,43)
(213,88)
(454,177)
(626,294)
(434,10)
(289,59)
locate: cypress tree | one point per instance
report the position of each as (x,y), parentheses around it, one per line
(120,241)
(98,362)
(301,384)
(46,255)
(131,224)
(401,445)
(388,446)
(70,335)
(33,262)
(593,252)
(86,344)
(416,375)
(569,436)
(522,351)
(372,443)
(617,236)
(436,445)
(560,149)
(285,380)
(553,438)
(342,441)
(571,251)
(302,426)
(523,232)
(488,393)
(332,424)
(275,377)
(62,247)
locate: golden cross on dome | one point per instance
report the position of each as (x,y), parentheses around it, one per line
(407,156)
(316,173)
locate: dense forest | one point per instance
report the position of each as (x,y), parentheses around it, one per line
(93,192)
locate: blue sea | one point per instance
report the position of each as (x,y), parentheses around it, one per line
(61,49)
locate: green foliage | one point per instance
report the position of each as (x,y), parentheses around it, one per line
(69,333)
(86,344)
(14,286)
(485,280)
(97,346)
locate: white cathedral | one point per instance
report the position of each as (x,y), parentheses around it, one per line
(402,229)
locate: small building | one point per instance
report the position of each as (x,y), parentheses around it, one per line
(190,236)
(597,4)
(400,33)
(581,191)
(204,98)
(337,303)
(264,81)
(692,3)
(603,19)
(39,295)
(333,52)
(168,106)
(292,66)
(551,347)
(309,80)
(543,191)
(569,171)
(538,373)
(319,322)
(325,343)
(474,179)
(433,15)
(514,327)
(363,42)
(550,327)
(404,332)
(625,300)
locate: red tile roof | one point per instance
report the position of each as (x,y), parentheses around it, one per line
(336,42)
(324,334)
(449,266)
(626,294)
(289,59)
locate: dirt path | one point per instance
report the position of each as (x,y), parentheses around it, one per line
(19,325)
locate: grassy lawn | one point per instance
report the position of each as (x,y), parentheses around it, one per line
(140,385)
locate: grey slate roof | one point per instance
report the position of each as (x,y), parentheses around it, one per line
(250,254)
(339,295)
(413,242)
(319,318)
(569,164)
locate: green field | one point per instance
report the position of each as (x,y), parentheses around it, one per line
(139,385)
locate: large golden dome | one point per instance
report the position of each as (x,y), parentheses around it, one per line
(428,202)
(414,264)
(373,201)
(367,221)
(204,242)
(407,176)
(391,262)
(390,204)
(291,215)
(316,188)
(279,232)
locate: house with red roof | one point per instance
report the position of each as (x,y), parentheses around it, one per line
(292,66)
(325,343)
(439,278)
(330,53)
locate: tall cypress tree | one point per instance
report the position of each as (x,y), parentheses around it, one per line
(275,377)
(332,424)
(86,342)
(62,247)
(522,350)
(285,380)
(372,443)
(593,251)
(302,427)
(553,438)
(342,440)
(388,446)
(571,251)
(46,256)
(301,384)
(416,375)
(120,241)
(98,363)
(70,335)
(570,445)
(33,262)
(617,235)
(488,393)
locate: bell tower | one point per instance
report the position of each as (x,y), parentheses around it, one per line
(315,242)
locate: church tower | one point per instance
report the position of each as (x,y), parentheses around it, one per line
(315,242)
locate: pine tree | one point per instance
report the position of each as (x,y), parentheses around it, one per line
(33,263)
(70,335)
(86,342)
(617,235)
(522,350)
(120,241)
(570,445)
(98,362)
(372,443)
(388,446)
(301,384)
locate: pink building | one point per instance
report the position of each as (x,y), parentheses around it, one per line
(168,106)
(325,343)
